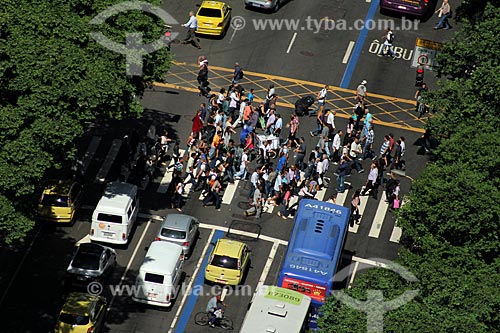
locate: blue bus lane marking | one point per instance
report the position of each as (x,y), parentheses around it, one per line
(198,285)
(346,79)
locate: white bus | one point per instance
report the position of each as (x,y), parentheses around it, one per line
(277,310)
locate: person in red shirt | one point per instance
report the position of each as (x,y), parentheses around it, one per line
(197,126)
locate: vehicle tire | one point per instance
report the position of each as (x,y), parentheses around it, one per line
(226,323)
(201,318)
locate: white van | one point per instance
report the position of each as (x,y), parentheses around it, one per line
(159,274)
(115,214)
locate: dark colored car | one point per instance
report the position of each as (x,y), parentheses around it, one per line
(409,7)
(91,262)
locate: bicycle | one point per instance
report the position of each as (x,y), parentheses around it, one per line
(202,319)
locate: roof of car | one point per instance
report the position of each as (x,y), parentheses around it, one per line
(228,247)
(161,257)
(177,221)
(78,303)
(212,4)
(116,197)
(60,187)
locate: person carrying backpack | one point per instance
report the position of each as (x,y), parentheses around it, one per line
(386,48)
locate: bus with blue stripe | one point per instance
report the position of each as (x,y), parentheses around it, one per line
(314,251)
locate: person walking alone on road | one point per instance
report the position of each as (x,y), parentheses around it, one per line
(192,25)
(361,92)
(444,12)
(386,48)
(355,202)
(238,73)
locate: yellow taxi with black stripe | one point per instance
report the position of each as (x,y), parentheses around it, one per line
(228,262)
(213,18)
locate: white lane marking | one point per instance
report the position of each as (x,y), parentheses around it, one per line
(368,0)
(348,52)
(232,36)
(396,231)
(129,264)
(366,261)
(84,240)
(396,234)
(108,162)
(11,282)
(224,293)
(341,198)
(353,274)
(291,42)
(167,177)
(190,285)
(89,154)
(229,192)
(378,220)
(267,267)
(225,229)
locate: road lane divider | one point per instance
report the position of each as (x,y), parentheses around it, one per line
(198,278)
(108,162)
(348,52)
(267,267)
(129,264)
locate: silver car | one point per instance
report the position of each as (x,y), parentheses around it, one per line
(179,229)
(91,262)
(273,5)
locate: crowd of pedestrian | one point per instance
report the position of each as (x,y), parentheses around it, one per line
(233,137)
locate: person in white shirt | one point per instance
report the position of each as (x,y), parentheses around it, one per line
(319,170)
(330,123)
(278,125)
(336,147)
(321,98)
(243,166)
(243,105)
(192,25)
(386,48)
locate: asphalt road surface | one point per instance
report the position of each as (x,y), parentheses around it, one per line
(33,290)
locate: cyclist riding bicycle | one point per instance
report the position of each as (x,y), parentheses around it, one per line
(214,308)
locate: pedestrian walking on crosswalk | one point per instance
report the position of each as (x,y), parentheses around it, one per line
(370,184)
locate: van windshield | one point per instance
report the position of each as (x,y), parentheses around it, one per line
(225,262)
(109,218)
(155,278)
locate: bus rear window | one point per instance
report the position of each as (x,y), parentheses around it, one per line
(109,218)
(315,291)
(155,278)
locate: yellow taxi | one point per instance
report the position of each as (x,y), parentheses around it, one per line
(213,18)
(59,201)
(82,313)
(228,262)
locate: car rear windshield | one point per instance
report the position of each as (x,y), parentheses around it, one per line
(210,12)
(176,234)
(109,218)
(54,200)
(155,278)
(225,262)
(73,319)
(86,260)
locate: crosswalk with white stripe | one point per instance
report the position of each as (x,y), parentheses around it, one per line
(376,221)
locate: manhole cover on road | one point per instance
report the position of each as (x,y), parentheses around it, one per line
(307,53)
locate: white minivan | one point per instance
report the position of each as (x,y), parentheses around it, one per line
(159,274)
(115,214)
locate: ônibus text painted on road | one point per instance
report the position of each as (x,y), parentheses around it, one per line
(399,52)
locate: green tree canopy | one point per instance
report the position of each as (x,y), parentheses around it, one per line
(53,77)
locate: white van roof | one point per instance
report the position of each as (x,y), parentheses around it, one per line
(161,258)
(116,197)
